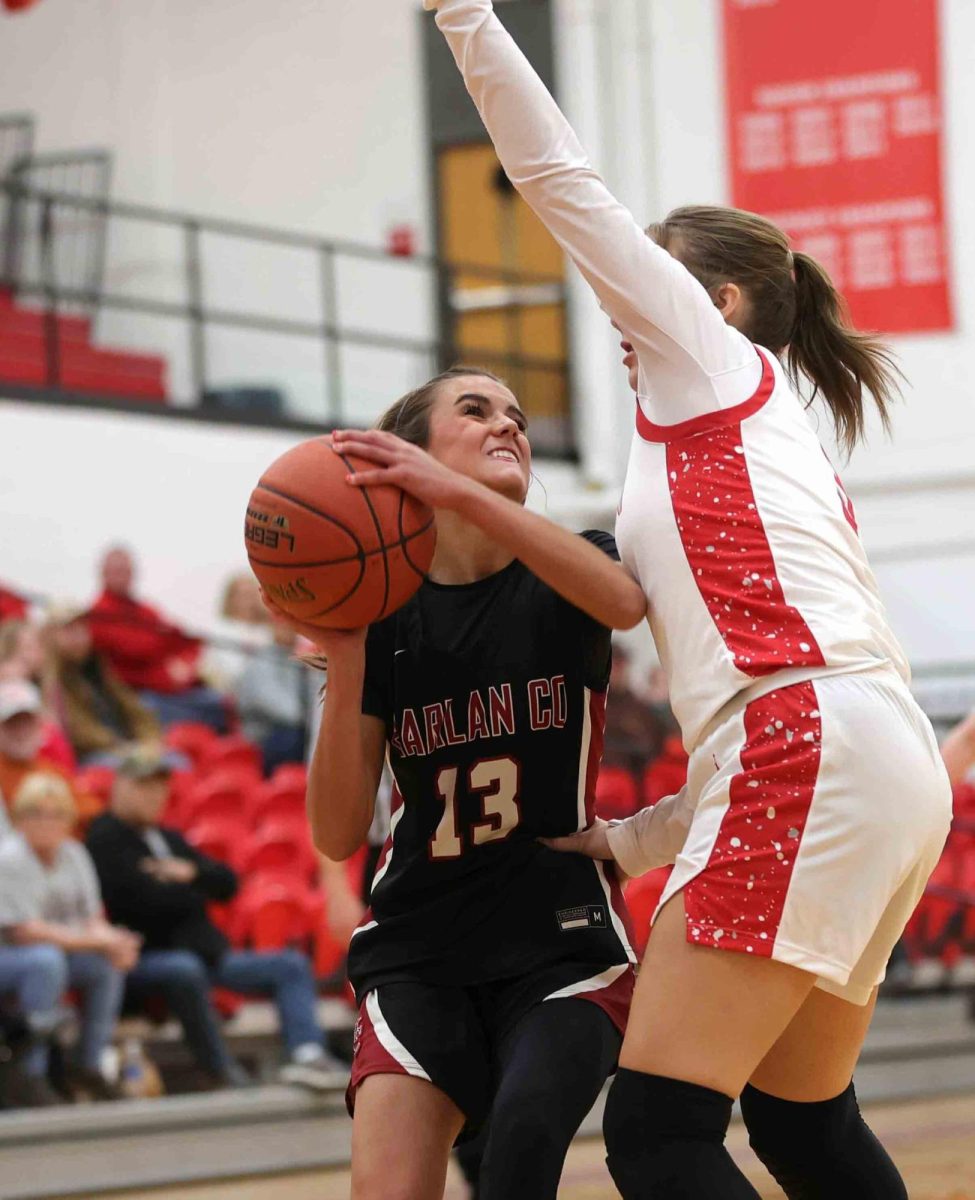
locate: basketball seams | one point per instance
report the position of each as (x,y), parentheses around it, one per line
(355,527)
(379,535)
(266,487)
(400,543)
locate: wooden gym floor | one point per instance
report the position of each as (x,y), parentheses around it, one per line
(932,1141)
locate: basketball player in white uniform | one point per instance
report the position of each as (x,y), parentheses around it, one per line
(816,804)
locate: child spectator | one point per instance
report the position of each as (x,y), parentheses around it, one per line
(242,628)
(97,711)
(272,700)
(53,936)
(147,653)
(156,883)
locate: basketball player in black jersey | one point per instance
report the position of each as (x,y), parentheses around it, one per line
(493,974)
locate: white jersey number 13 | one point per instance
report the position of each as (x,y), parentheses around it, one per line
(498,781)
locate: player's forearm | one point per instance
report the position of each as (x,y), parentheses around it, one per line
(653,837)
(338,799)
(573,567)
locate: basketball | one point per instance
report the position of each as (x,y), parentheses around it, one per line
(329,553)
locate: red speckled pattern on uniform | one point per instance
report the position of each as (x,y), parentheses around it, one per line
(729,554)
(736,902)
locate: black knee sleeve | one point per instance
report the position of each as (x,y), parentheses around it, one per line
(820,1151)
(665,1140)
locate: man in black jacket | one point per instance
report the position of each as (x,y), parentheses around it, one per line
(155,883)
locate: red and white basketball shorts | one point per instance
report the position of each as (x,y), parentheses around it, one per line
(822,809)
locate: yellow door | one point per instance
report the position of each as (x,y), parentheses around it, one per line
(510,316)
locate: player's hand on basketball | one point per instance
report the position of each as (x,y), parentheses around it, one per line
(331,642)
(591,842)
(403,465)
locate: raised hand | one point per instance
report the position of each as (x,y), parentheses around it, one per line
(404,465)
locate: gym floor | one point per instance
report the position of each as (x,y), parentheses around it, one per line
(932,1141)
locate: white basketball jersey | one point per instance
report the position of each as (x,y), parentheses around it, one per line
(745,542)
(732,518)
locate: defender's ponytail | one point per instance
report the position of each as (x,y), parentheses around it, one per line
(793,308)
(838,361)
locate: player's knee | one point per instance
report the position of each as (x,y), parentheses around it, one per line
(526,1124)
(652,1125)
(821,1149)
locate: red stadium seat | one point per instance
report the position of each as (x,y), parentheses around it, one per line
(226,794)
(233,751)
(642,897)
(271,914)
(327,954)
(226,839)
(282,846)
(295,774)
(278,798)
(95,780)
(929,931)
(667,774)
(617,796)
(190,738)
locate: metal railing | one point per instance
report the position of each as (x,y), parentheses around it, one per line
(428,287)
(73,248)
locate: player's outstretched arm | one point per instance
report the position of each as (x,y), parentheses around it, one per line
(657,303)
(651,838)
(569,564)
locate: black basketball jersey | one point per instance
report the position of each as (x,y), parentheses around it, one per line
(493,694)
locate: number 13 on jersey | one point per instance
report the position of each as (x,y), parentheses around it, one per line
(497,781)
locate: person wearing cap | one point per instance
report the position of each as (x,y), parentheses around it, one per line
(22,736)
(53,935)
(99,713)
(156,883)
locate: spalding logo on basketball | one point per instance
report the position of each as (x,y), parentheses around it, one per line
(330,553)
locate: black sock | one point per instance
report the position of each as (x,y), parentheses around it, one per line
(665,1141)
(820,1151)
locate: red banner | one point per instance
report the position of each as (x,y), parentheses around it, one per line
(834,118)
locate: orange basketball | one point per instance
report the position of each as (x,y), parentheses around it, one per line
(330,553)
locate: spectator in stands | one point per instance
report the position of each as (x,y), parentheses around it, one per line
(22,751)
(53,936)
(633,734)
(100,715)
(156,883)
(272,700)
(21,651)
(22,656)
(12,606)
(150,655)
(958,750)
(242,628)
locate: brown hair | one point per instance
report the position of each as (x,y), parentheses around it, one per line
(409,417)
(10,632)
(793,306)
